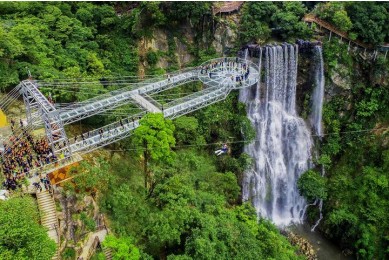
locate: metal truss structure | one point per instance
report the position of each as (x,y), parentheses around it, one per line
(219,76)
(122,96)
(39,109)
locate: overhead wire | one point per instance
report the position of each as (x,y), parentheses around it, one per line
(244,141)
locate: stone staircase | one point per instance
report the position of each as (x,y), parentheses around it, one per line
(107,253)
(49,218)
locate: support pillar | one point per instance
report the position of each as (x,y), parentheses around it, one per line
(386,54)
(329,39)
(348,48)
(32,107)
(55,133)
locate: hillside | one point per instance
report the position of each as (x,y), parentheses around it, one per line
(164,192)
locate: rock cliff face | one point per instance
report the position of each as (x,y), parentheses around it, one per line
(161,42)
(223,40)
(226,34)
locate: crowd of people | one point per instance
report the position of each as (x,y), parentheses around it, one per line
(21,154)
(228,65)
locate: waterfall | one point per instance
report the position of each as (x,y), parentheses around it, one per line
(246,51)
(318,93)
(281,150)
(317,106)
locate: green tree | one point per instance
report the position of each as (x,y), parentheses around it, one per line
(154,139)
(123,248)
(187,130)
(194,12)
(312,186)
(88,177)
(370,21)
(335,13)
(342,21)
(255,21)
(288,20)
(21,236)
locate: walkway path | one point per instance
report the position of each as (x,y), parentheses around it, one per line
(145,104)
(310,18)
(90,245)
(49,218)
(219,76)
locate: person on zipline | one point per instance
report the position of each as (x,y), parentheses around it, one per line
(224,149)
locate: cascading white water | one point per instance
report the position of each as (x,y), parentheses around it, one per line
(282,147)
(318,93)
(317,107)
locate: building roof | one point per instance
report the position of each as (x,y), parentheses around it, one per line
(227,7)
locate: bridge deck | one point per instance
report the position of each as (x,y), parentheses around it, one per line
(219,76)
(145,103)
(310,18)
(218,87)
(121,97)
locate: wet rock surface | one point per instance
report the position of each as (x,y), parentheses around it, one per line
(305,247)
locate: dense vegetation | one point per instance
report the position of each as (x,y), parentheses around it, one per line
(164,194)
(366,21)
(356,163)
(259,19)
(22,237)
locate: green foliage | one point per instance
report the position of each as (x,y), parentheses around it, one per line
(89,223)
(360,213)
(21,235)
(191,215)
(186,131)
(255,21)
(312,186)
(123,248)
(69,254)
(342,21)
(152,57)
(370,21)
(87,178)
(334,54)
(354,160)
(335,13)
(154,138)
(284,18)
(61,40)
(224,120)
(288,21)
(179,12)
(155,135)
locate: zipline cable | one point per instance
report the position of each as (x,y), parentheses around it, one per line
(246,141)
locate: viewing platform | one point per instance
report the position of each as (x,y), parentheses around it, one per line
(219,77)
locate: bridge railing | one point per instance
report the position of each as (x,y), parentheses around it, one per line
(230,59)
(123,97)
(251,78)
(190,97)
(129,86)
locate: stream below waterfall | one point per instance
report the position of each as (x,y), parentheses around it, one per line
(325,249)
